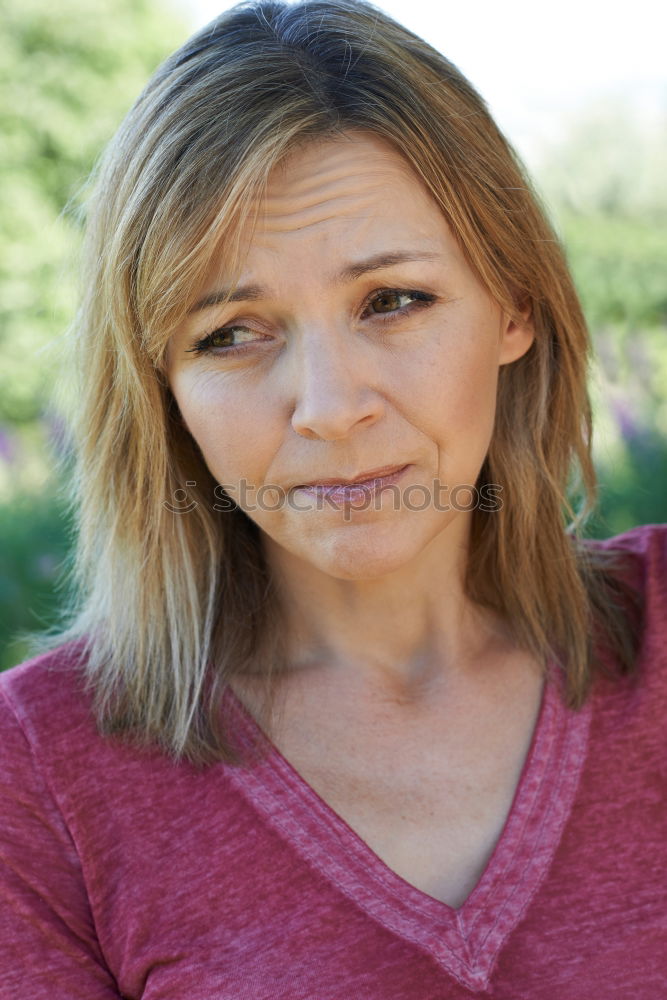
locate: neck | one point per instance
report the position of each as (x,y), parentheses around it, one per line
(399,633)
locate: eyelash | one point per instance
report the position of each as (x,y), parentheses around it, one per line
(421,301)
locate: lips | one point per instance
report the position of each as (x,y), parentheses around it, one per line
(363,477)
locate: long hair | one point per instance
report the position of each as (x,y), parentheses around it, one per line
(171,605)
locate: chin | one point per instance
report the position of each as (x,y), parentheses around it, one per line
(361,559)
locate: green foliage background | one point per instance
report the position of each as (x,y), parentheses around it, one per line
(68,73)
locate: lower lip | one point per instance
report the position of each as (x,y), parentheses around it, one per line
(354,492)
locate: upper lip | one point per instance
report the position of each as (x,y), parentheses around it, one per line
(347,481)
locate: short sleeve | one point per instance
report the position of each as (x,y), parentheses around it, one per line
(48,946)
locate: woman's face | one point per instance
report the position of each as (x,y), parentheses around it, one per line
(359,340)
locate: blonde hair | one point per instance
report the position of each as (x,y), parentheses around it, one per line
(169,606)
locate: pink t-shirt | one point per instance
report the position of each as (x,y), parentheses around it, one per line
(124,874)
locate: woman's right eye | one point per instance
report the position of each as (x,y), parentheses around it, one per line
(221,341)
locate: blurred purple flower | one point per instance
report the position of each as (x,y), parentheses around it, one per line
(8,446)
(632,430)
(57,433)
(46,566)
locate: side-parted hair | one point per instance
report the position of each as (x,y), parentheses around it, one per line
(169,607)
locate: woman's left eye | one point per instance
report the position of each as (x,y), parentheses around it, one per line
(392,301)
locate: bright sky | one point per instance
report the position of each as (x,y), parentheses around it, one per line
(536,62)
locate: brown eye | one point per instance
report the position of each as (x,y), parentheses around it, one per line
(396,303)
(386,302)
(221,338)
(226,341)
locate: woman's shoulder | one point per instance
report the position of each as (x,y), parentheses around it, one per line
(48,718)
(48,690)
(47,724)
(648,542)
(51,743)
(643,562)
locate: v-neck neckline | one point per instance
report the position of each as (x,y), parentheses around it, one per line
(465,941)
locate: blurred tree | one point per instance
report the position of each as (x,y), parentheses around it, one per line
(604,182)
(35,540)
(68,72)
(609,159)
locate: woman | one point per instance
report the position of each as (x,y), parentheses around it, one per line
(347,706)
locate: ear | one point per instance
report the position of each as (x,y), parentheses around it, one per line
(516,335)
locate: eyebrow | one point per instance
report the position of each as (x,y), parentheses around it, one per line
(253,293)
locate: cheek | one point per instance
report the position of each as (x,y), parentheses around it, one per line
(229,426)
(453,386)
(472,390)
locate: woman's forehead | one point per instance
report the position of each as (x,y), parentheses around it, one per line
(345,199)
(336,167)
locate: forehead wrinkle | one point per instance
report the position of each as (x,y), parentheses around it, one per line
(288,214)
(329,162)
(325,191)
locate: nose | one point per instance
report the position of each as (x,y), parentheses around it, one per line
(333,394)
